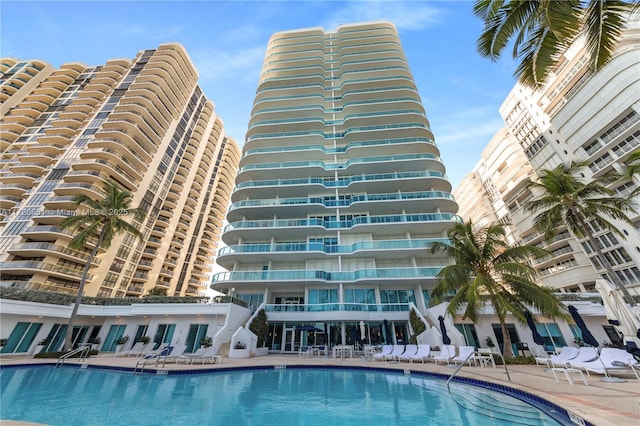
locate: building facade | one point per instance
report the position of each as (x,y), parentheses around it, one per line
(144,124)
(575,116)
(340,191)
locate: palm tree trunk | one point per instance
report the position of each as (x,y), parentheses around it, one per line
(85,272)
(507,350)
(604,261)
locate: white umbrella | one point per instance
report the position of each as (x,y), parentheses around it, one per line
(363,331)
(617,309)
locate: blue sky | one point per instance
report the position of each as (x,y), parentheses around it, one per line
(226,40)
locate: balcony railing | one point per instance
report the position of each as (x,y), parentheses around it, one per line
(327,307)
(298,275)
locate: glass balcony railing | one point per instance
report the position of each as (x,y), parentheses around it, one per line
(342,224)
(343,165)
(337,122)
(328,150)
(326,307)
(339,134)
(301,275)
(347,201)
(302,247)
(332,98)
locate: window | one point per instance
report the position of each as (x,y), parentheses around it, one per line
(115,332)
(513,334)
(21,337)
(359,295)
(552,336)
(196,333)
(319,298)
(396,297)
(164,334)
(469,333)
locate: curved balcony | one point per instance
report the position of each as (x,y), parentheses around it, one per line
(14,189)
(412,201)
(47,249)
(263,252)
(296,277)
(387,163)
(295,228)
(28,267)
(20,178)
(383,182)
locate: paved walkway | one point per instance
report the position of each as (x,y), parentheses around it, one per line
(601,403)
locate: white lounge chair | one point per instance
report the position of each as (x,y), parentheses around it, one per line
(386,350)
(137,348)
(209,356)
(465,354)
(395,353)
(409,351)
(447,353)
(188,357)
(566,353)
(176,352)
(424,351)
(611,359)
(585,354)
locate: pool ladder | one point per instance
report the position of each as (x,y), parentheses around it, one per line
(82,350)
(504,362)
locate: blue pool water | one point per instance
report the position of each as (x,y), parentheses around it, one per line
(291,396)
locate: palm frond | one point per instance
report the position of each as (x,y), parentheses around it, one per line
(604,22)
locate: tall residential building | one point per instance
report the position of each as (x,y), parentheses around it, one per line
(502,171)
(340,190)
(578,115)
(19,78)
(143,123)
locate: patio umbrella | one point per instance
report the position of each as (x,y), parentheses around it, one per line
(534,331)
(387,333)
(363,331)
(445,337)
(617,310)
(587,337)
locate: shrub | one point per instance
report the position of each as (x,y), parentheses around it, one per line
(260,327)
(417,325)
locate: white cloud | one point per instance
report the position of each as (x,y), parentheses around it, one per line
(410,15)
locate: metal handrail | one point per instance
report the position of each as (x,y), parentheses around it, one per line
(504,362)
(82,350)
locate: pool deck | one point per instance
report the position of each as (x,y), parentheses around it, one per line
(601,403)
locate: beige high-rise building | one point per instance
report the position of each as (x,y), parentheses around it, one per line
(143,123)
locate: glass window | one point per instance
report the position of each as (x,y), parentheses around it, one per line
(21,337)
(469,333)
(196,333)
(552,336)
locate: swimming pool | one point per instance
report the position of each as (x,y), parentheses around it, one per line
(264,396)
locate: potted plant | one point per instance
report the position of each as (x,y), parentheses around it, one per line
(94,342)
(206,342)
(41,344)
(489,342)
(144,339)
(121,341)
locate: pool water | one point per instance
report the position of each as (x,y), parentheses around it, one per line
(291,396)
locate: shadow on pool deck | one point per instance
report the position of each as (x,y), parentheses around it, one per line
(601,403)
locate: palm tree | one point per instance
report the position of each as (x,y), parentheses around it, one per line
(100,221)
(632,165)
(565,199)
(542,29)
(488,270)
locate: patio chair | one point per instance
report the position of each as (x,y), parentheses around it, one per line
(465,354)
(585,354)
(447,353)
(397,351)
(386,350)
(137,348)
(566,353)
(409,351)
(424,351)
(187,358)
(175,353)
(611,359)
